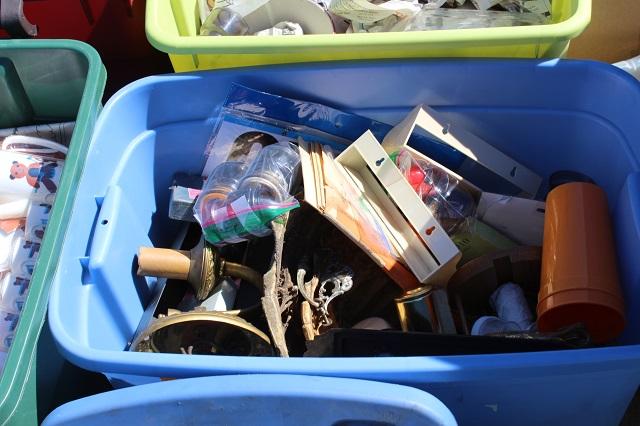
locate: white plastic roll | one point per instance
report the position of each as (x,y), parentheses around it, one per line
(632,66)
(510,304)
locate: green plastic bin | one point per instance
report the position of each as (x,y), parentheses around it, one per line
(172,27)
(63,80)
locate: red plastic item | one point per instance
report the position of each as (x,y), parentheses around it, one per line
(114,27)
(416,177)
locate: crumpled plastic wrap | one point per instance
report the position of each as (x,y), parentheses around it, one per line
(282,29)
(451,205)
(224,21)
(632,66)
(406,15)
(520,6)
(455,19)
(368,16)
(228,17)
(435,4)
(534,6)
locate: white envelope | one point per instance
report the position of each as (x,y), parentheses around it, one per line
(520,219)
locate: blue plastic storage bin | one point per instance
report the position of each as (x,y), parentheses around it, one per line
(283,400)
(549,115)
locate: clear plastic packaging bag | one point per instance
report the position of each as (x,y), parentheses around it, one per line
(370,13)
(435,4)
(250,120)
(485,4)
(522,6)
(263,118)
(632,66)
(239,201)
(224,21)
(393,23)
(454,19)
(452,206)
(374,17)
(221,182)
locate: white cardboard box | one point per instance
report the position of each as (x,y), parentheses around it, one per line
(520,219)
(416,234)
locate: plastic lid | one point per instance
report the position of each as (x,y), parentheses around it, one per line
(257,399)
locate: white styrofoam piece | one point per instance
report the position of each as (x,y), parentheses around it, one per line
(520,219)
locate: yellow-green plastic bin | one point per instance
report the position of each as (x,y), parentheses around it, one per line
(172,27)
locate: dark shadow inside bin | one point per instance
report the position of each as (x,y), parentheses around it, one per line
(46,86)
(471,287)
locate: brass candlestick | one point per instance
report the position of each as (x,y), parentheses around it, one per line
(203,333)
(202,267)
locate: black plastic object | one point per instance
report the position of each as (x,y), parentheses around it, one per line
(367,343)
(15,104)
(567,176)
(575,335)
(13,20)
